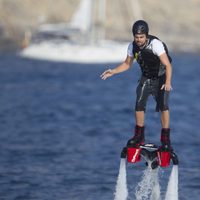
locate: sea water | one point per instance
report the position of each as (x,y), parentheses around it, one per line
(62,129)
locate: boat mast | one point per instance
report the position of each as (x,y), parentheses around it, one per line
(102,18)
(98,23)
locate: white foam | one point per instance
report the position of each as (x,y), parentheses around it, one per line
(155,195)
(148,187)
(121,192)
(172,188)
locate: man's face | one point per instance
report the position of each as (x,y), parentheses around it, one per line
(140,39)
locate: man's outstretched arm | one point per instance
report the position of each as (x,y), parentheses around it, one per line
(121,68)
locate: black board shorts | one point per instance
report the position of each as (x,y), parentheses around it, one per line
(152,86)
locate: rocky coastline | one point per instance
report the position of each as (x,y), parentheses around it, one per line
(178,24)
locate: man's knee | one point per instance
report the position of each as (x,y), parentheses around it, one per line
(164,106)
(162,101)
(140,107)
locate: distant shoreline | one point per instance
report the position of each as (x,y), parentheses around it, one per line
(179,30)
(10,46)
(174,44)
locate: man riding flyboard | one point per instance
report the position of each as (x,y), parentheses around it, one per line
(155,63)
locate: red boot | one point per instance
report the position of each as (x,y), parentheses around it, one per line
(138,138)
(165,139)
(164,152)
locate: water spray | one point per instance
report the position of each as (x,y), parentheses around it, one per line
(148,188)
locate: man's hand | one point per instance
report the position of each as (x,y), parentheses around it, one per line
(120,68)
(166,87)
(107,74)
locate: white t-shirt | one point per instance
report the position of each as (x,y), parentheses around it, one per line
(155,45)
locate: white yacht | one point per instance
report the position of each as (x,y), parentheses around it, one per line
(76,41)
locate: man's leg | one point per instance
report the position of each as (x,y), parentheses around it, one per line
(165,131)
(139,117)
(165,119)
(138,137)
(162,98)
(142,95)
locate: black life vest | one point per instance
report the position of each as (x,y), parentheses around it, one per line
(149,62)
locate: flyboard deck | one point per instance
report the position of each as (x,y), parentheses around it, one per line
(152,154)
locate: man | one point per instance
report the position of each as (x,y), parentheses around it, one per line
(152,56)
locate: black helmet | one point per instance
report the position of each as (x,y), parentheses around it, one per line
(140,27)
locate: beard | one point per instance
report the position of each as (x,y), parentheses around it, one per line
(141,44)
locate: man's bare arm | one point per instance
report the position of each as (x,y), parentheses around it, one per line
(121,68)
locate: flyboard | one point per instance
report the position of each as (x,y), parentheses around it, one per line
(154,157)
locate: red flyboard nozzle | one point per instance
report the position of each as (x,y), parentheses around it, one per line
(164,158)
(133,154)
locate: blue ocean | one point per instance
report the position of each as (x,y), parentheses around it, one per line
(62,129)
